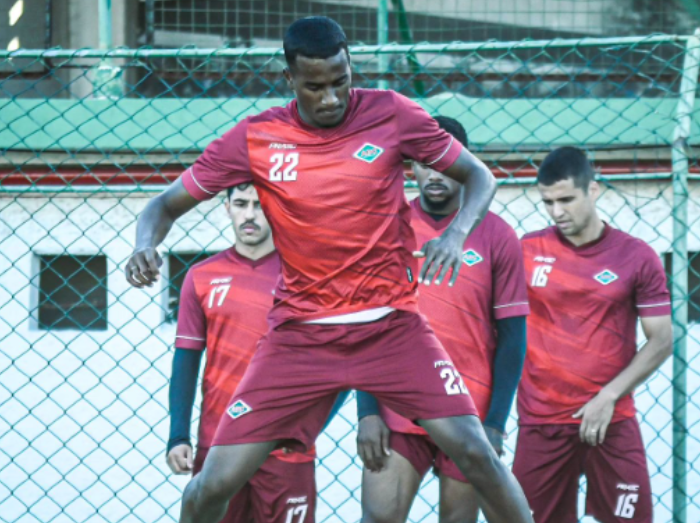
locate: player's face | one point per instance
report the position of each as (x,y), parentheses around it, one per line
(322,88)
(249,223)
(571,208)
(436,189)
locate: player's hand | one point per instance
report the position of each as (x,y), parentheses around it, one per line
(373,442)
(495,437)
(441,255)
(595,418)
(180,459)
(143,268)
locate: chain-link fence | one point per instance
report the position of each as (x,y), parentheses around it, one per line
(88,136)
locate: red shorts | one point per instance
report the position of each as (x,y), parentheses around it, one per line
(298,369)
(422,453)
(550,459)
(279,492)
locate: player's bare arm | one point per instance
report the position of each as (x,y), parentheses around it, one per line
(597,413)
(154,223)
(444,254)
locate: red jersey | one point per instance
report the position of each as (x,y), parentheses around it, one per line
(223,307)
(581,332)
(334,198)
(490,286)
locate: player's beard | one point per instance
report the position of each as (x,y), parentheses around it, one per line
(437,206)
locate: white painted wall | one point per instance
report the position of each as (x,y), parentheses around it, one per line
(83,415)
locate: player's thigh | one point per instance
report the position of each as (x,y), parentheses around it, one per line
(406,368)
(387,495)
(458,501)
(279,398)
(284,492)
(548,465)
(619,488)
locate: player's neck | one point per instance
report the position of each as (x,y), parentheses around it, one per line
(441,210)
(255,252)
(593,231)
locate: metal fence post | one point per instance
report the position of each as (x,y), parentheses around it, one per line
(383,39)
(679,278)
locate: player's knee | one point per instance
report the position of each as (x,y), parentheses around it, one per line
(382,516)
(474,457)
(213,489)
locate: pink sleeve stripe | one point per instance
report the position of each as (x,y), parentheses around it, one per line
(194,187)
(449,145)
(182,343)
(512,310)
(661,304)
(659,309)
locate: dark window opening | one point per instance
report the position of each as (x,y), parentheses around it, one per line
(178,265)
(693,268)
(73,292)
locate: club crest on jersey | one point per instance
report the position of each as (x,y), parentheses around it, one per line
(239,408)
(471,257)
(368,153)
(606,277)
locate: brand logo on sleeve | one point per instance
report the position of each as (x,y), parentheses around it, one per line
(606,277)
(368,153)
(471,257)
(238,409)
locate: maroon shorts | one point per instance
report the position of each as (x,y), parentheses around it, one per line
(298,369)
(279,492)
(422,453)
(550,459)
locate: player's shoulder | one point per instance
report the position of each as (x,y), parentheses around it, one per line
(631,245)
(378,99)
(494,222)
(273,114)
(213,263)
(543,234)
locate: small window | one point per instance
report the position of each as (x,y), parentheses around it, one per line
(73,292)
(693,283)
(178,265)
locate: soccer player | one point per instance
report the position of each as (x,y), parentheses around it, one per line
(329,171)
(587,284)
(481,324)
(223,308)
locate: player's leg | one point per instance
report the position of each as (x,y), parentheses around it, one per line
(284,491)
(226,470)
(463,439)
(458,500)
(387,495)
(240,509)
(406,368)
(548,465)
(619,488)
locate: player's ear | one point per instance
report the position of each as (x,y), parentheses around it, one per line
(287,73)
(594,190)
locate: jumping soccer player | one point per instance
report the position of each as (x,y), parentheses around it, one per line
(587,283)
(223,308)
(329,171)
(481,324)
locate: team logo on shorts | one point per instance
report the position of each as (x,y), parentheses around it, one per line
(239,408)
(606,277)
(368,153)
(471,257)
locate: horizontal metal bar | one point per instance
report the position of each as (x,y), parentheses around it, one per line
(454,47)
(107,189)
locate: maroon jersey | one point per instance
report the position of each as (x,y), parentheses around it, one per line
(581,332)
(334,199)
(490,286)
(223,307)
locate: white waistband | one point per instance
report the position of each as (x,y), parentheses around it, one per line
(364,316)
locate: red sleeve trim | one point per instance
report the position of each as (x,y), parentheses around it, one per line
(452,152)
(194,187)
(511,310)
(654,309)
(187,342)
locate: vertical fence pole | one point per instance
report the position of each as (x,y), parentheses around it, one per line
(105,17)
(679,278)
(107,81)
(383,39)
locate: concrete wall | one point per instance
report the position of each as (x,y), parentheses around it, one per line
(83,415)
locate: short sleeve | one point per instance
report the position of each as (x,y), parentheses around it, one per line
(191,322)
(224,163)
(651,292)
(509,287)
(421,138)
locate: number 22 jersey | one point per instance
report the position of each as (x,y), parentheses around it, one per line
(334,198)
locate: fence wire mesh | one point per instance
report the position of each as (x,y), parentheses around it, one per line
(88,136)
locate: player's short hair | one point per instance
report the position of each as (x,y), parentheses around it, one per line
(453,127)
(314,37)
(242,186)
(564,163)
